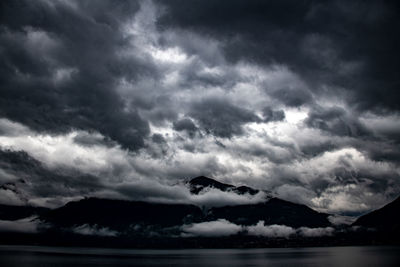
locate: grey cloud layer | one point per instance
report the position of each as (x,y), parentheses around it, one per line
(350,44)
(60,64)
(225,228)
(128,98)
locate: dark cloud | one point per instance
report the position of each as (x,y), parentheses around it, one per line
(59,65)
(336,121)
(316,149)
(292,97)
(381,151)
(273,115)
(221,118)
(158,139)
(187,125)
(349,45)
(87,139)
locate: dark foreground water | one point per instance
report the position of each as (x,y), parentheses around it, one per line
(22,256)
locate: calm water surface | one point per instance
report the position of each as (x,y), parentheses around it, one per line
(23,256)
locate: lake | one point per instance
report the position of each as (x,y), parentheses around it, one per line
(24,256)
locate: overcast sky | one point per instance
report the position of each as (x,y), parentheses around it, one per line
(126,99)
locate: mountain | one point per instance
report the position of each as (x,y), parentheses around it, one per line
(385,219)
(274,211)
(95,221)
(198,184)
(120,215)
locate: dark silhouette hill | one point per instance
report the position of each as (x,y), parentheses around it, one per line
(110,222)
(10,212)
(385,219)
(121,214)
(274,211)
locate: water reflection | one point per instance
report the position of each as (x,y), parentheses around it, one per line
(299,257)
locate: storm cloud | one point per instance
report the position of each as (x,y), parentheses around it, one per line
(130,99)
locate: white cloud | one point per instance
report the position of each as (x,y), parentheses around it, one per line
(86,229)
(117,167)
(9,197)
(211,229)
(341,220)
(10,128)
(223,227)
(273,231)
(179,193)
(119,171)
(57,151)
(315,232)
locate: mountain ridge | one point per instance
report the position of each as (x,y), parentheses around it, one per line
(122,214)
(112,222)
(198,184)
(386,218)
